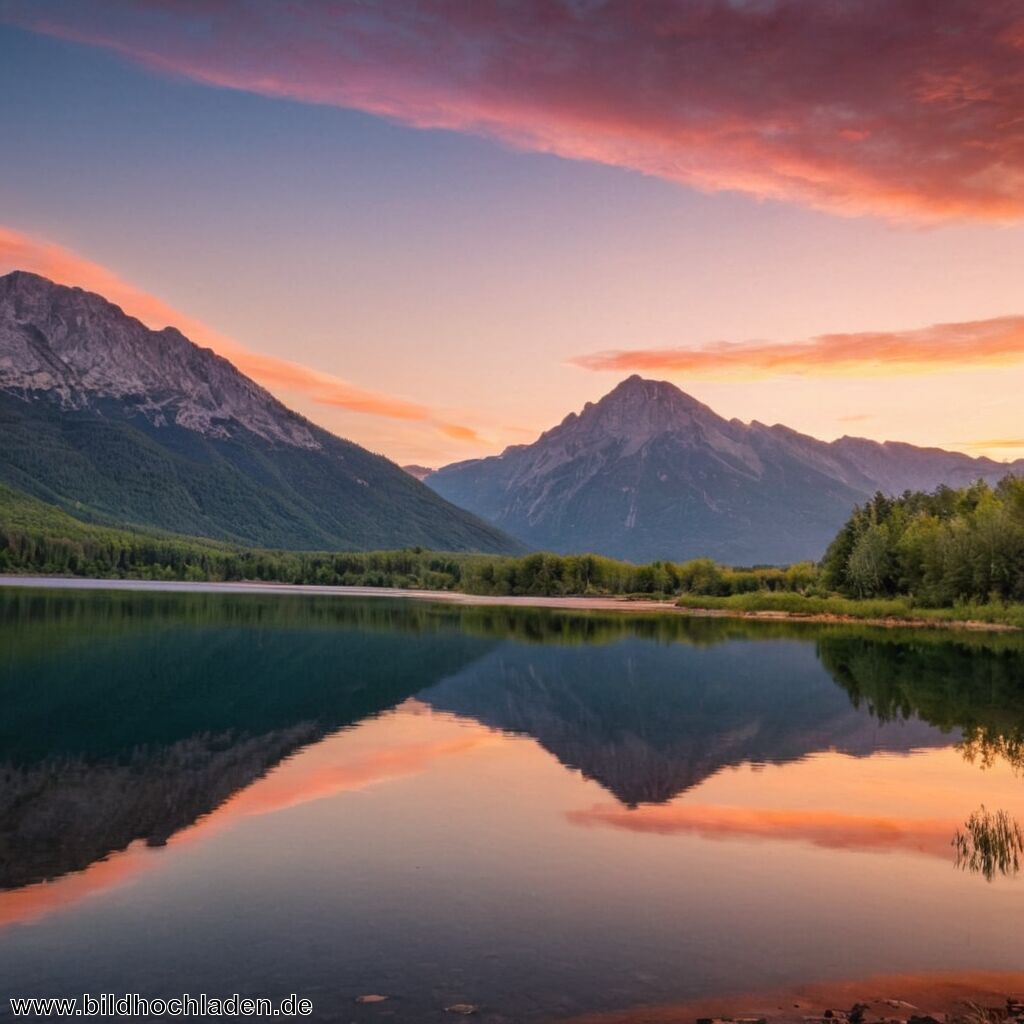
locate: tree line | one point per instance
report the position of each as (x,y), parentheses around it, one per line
(39,538)
(126,555)
(938,549)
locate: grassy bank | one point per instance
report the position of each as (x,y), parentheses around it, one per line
(895,609)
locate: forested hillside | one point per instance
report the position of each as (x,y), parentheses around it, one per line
(124,426)
(947,555)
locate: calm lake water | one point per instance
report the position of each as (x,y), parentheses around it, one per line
(539,813)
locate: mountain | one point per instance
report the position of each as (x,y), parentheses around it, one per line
(120,424)
(648,472)
(420,472)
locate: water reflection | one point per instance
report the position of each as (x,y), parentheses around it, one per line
(969,686)
(330,767)
(494,806)
(649,721)
(828,829)
(990,844)
(128,717)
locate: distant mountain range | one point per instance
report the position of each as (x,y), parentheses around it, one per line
(648,472)
(119,424)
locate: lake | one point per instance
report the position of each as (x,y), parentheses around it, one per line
(538,813)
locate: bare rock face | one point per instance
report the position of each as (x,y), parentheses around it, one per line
(649,472)
(80,348)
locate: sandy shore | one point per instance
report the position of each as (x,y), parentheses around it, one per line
(602,604)
(618,604)
(944,996)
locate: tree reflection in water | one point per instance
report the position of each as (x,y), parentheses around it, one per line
(985,748)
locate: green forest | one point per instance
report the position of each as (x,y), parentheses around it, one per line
(40,538)
(961,550)
(948,546)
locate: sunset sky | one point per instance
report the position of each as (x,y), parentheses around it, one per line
(436,228)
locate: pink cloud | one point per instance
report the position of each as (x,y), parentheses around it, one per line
(19,251)
(902,110)
(996,341)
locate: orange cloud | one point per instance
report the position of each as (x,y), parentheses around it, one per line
(869,353)
(302,780)
(459,432)
(23,252)
(830,829)
(852,108)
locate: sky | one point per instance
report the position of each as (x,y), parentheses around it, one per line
(437,228)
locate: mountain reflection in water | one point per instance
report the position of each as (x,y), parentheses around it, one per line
(127,717)
(129,722)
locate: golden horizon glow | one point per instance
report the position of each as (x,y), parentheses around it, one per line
(935,349)
(19,251)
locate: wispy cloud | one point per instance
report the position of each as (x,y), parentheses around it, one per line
(19,251)
(893,109)
(998,442)
(870,353)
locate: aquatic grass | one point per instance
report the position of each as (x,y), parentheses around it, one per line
(991,844)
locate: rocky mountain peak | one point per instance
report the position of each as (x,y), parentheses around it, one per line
(78,349)
(651,397)
(636,411)
(122,425)
(649,472)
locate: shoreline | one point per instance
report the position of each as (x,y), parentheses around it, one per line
(611,603)
(939,997)
(971,625)
(321,590)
